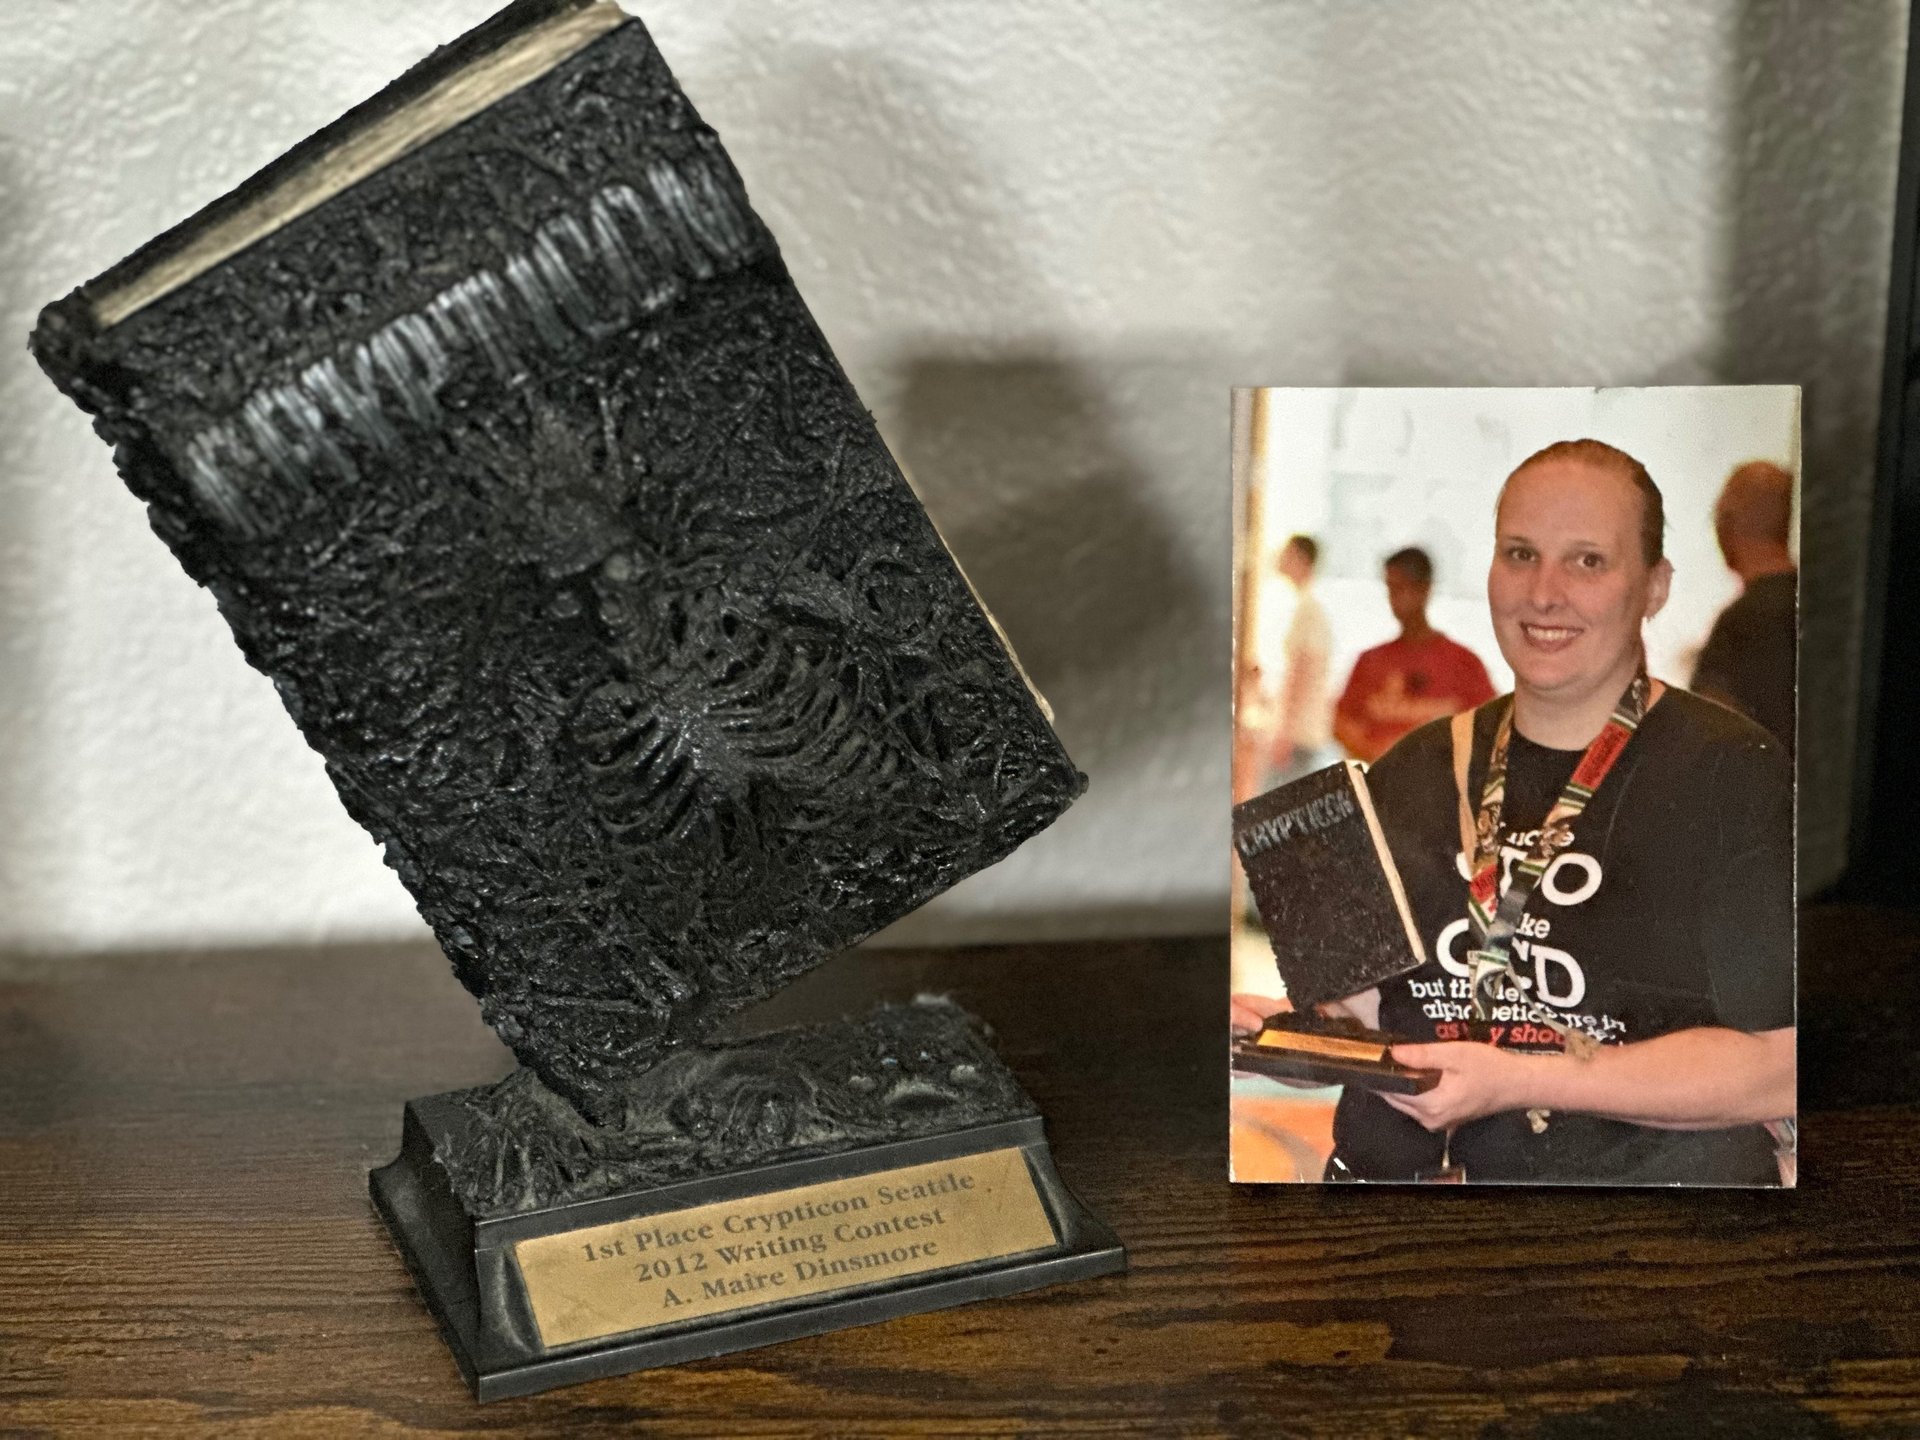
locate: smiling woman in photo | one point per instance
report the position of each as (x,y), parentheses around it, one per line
(1600,867)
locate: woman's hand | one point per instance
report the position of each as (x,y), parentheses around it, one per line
(1249,1012)
(1475,1080)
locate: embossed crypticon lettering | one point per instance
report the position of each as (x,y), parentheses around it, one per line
(288,429)
(213,456)
(594,315)
(354,399)
(1319,814)
(581,280)
(475,311)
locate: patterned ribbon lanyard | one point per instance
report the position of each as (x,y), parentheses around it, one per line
(1496,920)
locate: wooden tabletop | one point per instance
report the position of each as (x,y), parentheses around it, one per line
(186,1245)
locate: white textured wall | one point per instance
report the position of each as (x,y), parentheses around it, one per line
(1045,238)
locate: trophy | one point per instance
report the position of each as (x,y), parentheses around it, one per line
(1336,914)
(493,421)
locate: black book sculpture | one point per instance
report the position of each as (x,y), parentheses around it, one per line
(1336,914)
(494,423)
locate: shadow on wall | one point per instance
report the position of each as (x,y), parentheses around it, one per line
(1809,249)
(1089,505)
(1038,497)
(885,214)
(1065,494)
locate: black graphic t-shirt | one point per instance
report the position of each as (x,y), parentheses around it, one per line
(1671,910)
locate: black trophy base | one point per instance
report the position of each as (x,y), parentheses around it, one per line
(1306,1048)
(510,1291)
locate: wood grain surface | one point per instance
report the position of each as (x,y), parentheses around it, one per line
(186,1246)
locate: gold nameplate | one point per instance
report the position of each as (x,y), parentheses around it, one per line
(1333,1045)
(781,1246)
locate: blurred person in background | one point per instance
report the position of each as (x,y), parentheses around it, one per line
(1748,660)
(1419,676)
(1292,652)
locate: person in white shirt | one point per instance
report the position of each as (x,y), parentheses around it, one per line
(1293,647)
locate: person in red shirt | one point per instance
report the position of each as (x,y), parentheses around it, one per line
(1421,676)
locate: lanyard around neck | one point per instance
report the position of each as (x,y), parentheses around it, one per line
(1495,916)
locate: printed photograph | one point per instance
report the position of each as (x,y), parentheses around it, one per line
(1513,825)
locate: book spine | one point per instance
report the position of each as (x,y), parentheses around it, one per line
(445,63)
(1357,776)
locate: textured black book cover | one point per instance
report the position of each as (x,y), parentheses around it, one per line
(1325,885)
(521,468)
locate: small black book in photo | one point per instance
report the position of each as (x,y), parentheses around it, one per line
(1325,885)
